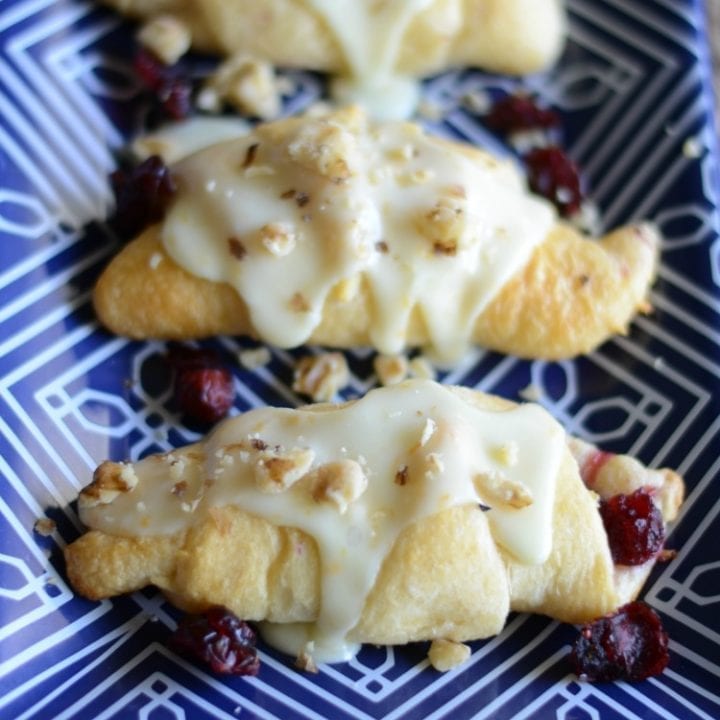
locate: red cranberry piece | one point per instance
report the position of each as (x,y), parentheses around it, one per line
(171,89)
(630,644)
(142,195)
(219,638)
(634,526)
(203,388)
(520,112)
(553,175)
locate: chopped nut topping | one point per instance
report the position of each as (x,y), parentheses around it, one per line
(381,246)
(109,480)
(401,476)
(298,303)
(443,225)
(179,488)
(258,444)
(250,154)
(506,454)
(390,369)
(428,432)
(500,490)
(278,238)
(321,376)
(254,358)
(305,662)
(444,655)
(325,148)
(45,526)
(434,465)
(167,37)
(237,249)
(276,470)
(339,482)
(247,83)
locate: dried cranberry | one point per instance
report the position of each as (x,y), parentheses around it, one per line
(142,195)
(634,526)
(520,112)
(204,389)
(630,644)
(168,84)
(553,175)
(219,638)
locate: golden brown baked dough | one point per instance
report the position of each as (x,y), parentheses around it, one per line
(565,295)
(513,36)
(445,576)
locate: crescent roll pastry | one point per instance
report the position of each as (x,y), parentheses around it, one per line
(418,512)
(345,232)
(375,46)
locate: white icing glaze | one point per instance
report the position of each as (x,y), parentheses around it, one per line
(180,139)
(369,35)
(419,447)
(430,224)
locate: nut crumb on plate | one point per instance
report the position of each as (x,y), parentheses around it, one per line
(321,376)
(44,526)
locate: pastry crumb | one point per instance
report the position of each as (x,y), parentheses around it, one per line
(444,655)
(254,358)
(45,526)
(321,376)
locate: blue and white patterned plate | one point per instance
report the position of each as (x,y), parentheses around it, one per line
(633,89)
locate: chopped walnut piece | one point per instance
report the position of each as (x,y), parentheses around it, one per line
(276,470)
(434,465)
(428,431)
(498,489)
(167,37)
(253,358)
(109,480)
(236,248)
(339,482)
(305,662)
(247,83)
(401,476)
(299,303)
(321,376)
(325,148)
(278,238)
(444,655)
(45,526)
(390,369)
(179,488)
(250,154)
(443,225)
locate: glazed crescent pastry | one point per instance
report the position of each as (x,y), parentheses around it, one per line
(418,512)
(346,232)
(376,46)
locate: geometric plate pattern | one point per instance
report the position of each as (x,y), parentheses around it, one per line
(633,89)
